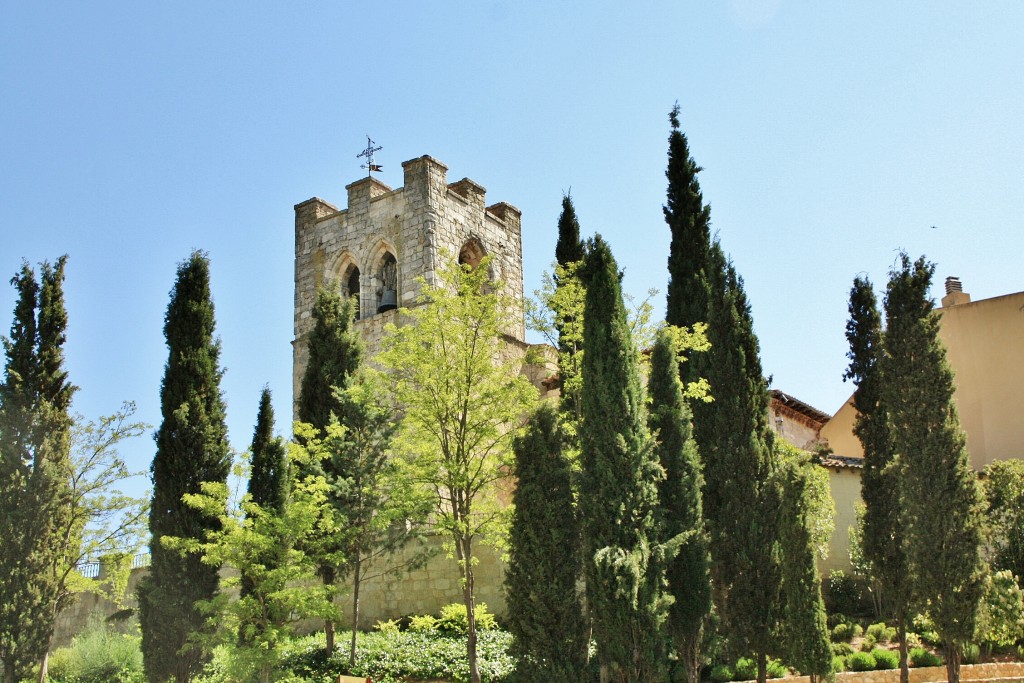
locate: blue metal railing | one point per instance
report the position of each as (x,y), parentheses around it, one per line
(91,569)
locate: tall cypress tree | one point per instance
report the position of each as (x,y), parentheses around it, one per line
(268,480)
(335,353)
(545,612)
(804,628)
(35,470)
(883,543)
(569,247)
(680,510)
(741,497)
(192,448)
(941,498)
(619,495)
(689,260)
(267,488)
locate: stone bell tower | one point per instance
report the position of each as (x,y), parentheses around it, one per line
(377,247)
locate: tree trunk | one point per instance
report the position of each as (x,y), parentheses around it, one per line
(762,667)
(690,654)
(327,575)
(952,662)
(464,547)
(44,667)
(356,580)
(901,639)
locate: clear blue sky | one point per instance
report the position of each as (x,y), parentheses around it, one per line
(832,134)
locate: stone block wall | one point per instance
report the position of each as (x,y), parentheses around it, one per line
(420,225)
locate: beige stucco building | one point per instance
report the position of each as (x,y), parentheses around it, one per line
(985,348)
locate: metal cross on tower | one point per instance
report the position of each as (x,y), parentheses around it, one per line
(368,153)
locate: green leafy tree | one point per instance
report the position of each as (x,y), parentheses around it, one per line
(281,589)
(1004,490)
(883,543)
(335,354)
(459,385)
(36,520)
(804,630)
(940,493)
(382,511)
(192,448)
(545,609)
(680,509)
(624,565)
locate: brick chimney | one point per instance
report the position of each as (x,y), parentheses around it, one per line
(955,294)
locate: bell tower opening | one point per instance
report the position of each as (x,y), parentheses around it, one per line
(387,283)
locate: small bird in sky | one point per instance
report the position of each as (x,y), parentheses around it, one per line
(935,227)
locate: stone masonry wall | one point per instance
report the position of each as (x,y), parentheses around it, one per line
(420,225)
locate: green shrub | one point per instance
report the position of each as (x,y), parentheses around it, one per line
(722,673)
(424,622)
(885,659)
(98,655)
(388,626)
(842,632)
(922,657)
(842,649)
(881,632)
(838,663)
(835,618)
(776,669)
(868,644)
(861,661)
(407,655)
(858,630)
(845,593)
(454,620)
(746,669)
(971,654)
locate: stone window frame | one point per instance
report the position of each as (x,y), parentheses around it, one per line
(373,285)
(340,275)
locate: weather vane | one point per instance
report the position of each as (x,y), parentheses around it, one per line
(368,153)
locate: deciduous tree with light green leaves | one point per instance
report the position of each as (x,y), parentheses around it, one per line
(459,386)
(941,498)
(265,545)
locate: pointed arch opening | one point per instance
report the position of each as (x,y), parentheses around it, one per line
(386,282)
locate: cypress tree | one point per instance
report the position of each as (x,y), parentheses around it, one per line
(804,631)
(35,470)
(268,480)
(192,448)
(267,489)
(689,260)
(569,247)
(741,497)
(545,613)
(335,353)
(680,510)
(883,543)
(941,498)
(618,498)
